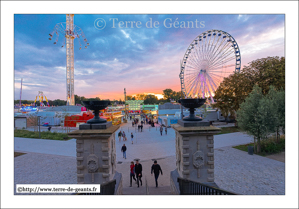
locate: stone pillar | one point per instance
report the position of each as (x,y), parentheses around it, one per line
(96,154)
(195,151)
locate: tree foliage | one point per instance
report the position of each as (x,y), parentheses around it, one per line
(169,94)
(277,99)
(231,93)
(151,99)
(140,97)
(267,72)
(259,114)
(235,88)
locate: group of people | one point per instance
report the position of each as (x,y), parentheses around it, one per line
(122,135)
(136,170)
(140,127)
(135,121)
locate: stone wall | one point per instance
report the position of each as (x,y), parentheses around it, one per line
(195,152)
(96,155)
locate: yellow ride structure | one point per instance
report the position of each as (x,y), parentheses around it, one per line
(41,99)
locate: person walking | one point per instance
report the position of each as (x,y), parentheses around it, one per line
(132,173)
(119,135)
(124,136)
(138,172)
(132,123)
(156,168)
(141,127)
(166,130)
(124,149)
(132,136)
(161,130)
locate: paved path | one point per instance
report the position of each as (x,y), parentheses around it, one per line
(148,144)
(235,170)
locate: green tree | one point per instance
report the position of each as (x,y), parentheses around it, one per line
(77,99)
(151,99)
(258,115)
(235,88)
(248,115)
(58,102)
(277,99)
(266,72)
(140,96)
(231,93)
(176,95)
(131,97)
(167,94)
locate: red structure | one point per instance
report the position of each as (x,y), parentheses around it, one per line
(71,121)
(134,111)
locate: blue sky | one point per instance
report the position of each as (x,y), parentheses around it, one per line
(140,59)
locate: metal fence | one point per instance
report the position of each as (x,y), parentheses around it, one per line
(106,189)
(188,187)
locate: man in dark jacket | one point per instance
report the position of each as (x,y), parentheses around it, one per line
(124,149)
(156,169)
(119,135)
(138,172)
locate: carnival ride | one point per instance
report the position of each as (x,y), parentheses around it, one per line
(69,32)
(210,57)
(41,99)
(26,109)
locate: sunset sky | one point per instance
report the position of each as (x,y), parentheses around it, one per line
(139,58)
(142,60)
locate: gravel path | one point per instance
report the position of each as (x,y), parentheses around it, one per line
(36,168)
(241,173)
(235,171)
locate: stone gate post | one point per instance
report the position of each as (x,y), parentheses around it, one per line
(194,152)
(96,154)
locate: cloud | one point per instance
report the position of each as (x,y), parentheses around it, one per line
(140,59)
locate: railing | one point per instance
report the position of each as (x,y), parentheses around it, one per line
(106,189)
(188,187)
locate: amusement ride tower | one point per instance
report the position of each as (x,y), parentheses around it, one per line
(70,32)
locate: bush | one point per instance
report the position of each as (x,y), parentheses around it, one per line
(270,146)
(43,135)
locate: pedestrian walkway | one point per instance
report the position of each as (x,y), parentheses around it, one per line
(235,170)
(148,144)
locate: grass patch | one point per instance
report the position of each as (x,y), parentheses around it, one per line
(16,154)
(227,130)
(268,146)
(43,135)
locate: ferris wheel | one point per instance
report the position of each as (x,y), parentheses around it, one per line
(210,57)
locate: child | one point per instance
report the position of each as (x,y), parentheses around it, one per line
(132,137)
